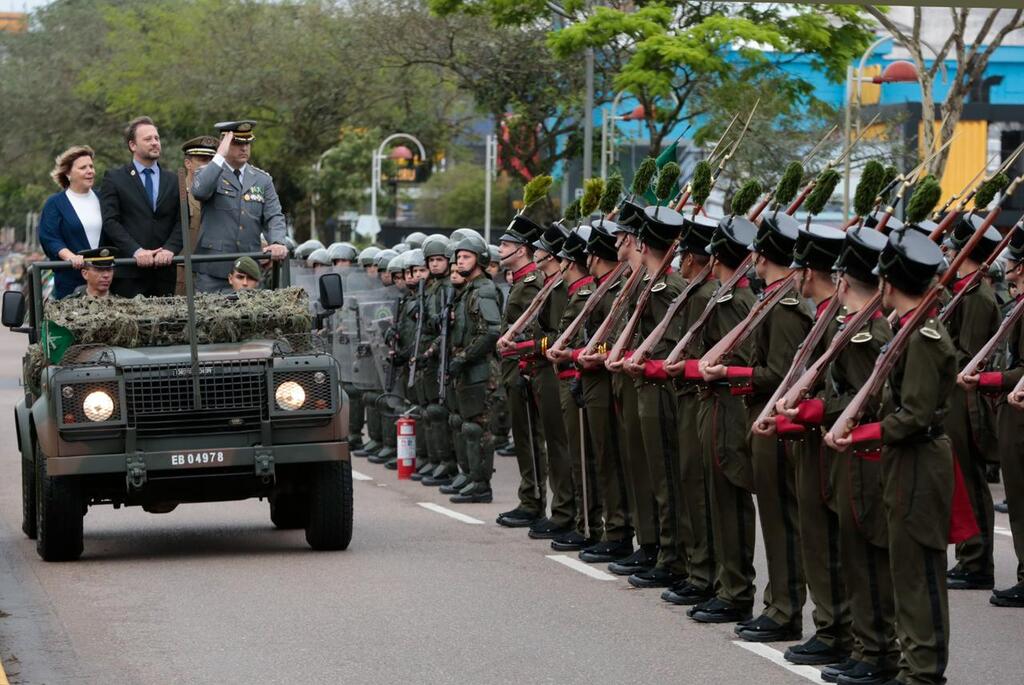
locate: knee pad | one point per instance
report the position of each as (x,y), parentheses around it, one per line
(435,413)
(472,431)
(455,422)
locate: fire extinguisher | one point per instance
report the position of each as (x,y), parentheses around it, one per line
(406,438)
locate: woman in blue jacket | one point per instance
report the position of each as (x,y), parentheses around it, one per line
(71,220)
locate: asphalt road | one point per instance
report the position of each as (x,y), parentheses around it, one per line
(214,594)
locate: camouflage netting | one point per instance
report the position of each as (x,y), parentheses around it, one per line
(160,321)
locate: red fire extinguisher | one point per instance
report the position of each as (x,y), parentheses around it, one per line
(406,429)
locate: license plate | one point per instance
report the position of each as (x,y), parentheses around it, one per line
(186,459)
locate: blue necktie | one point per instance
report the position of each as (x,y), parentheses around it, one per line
(148,180)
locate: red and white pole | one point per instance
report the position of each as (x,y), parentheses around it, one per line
(406,438)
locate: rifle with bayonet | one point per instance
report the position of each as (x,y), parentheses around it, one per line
(770,196)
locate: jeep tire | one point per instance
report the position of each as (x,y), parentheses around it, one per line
(59,513)
(330,506)
(28,498)
(289,511)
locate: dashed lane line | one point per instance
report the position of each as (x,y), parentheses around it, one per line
(457,515)
(577,565)
(360,476)
(775,656)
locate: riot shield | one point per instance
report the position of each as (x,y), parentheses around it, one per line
(304,277)
(376,314)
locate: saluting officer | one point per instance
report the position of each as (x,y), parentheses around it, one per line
(239,205)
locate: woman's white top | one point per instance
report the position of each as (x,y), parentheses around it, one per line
(87,207)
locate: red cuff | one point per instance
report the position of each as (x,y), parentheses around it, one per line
(691,370)
(739,372)
(740,379)
(867,432)
(654,369)
(525,345)
(783,426)
(626,354)
(522,365)
(576,354)
(991,381)
(568,375)
(811,412)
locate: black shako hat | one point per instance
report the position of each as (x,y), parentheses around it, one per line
(552,239)
(909,261)
(522,230)
(817,247)
(873,219)
(601,242)
(965,228)
(631,216)
(776,238)
(731,241)
(697,233)
(661,227)
(575,246)
(1015,249)
(859,256)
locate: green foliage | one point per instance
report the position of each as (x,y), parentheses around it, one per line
(789,184)
(610,197)
(592,190)
(456,197)
(823,189)
(746,196)
(922,202)
(868,188)
(891,174)
(988,190)
(573,212)
(643,176)
(668,177)
(700,183)
(536,190)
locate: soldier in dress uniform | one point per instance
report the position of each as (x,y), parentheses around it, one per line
(198,153)
(917,461)
(239,204)
(98,272)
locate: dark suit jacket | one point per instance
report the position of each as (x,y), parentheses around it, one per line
(60,227)
(129,222)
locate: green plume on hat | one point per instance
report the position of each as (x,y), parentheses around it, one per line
(890,175)
(536,190)
(700,183)
(572,212)
(610,197)
(868,188)
(785,189)
(989,189)
(823,189)
(643,176)
(667,178)
(746,196)
(592,189)
(922,202)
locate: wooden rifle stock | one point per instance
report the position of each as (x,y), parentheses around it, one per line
(981,360)
(643,350)
(886,361)
(618,304)
(973,279)
(734,338)
(588,307)
(533,309)
(630,329)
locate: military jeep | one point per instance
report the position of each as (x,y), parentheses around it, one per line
(195,420)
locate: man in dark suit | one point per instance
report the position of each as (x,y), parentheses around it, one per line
(141,216)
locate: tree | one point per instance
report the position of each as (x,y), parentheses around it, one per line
(456,198)
(972,55)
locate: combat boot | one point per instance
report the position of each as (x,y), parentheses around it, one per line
(460,481)
(867,674)
(387,452)
(475,492)
(686,594)
(606,552)
(376,458)
(506,450)
(717,610)
(369,447)
(544,529)
(959,579)
(643,559)
(570,542)
(444,474)
(655,577)
(830,674)
(423,470)
(391,464)
(1011,597)
(517,518)
(814,652)
(766,629)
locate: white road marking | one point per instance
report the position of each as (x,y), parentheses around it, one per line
(1004,531)
(577,565)
(458,516)
(359,476)
(775,656)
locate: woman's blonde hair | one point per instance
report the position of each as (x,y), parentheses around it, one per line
(65,160)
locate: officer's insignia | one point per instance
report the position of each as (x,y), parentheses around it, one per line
(255,194)
(132,172)
(647,277)
(930,333)
(861,337)
(530,279)
(246,197)
(659,287)
(725,298)
(789,301)
(583,292)
(104,253)
(841,318)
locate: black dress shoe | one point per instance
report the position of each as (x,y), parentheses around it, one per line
(867,674)
(474,493)
(686,594)
(765,629)
(814,652)
(517,518)
(1002,507)
(570,542)
(831,673)
(546,530)
(640,560)
(656,577)
(605,552)
(717,610)
(453,488)
(964,580)
(1011,597)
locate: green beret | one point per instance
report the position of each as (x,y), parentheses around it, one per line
(249,267)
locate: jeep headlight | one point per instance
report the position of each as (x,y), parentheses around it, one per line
(290,396)
(98,406)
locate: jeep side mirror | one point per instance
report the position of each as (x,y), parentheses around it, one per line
(13,309)
(331,292)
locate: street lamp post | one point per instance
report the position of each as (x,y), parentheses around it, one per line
(490,172)
(608,119)
(376,170)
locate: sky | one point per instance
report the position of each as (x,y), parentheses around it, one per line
(21,5)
